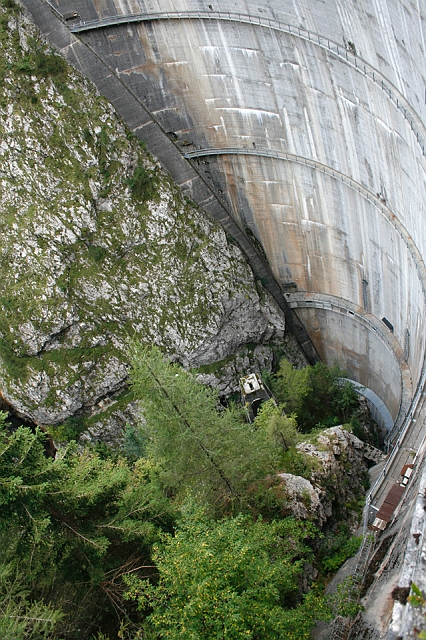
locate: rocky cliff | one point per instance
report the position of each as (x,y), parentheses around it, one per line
(98,245)
(339,476)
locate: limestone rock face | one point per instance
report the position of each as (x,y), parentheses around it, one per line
(224,375)
(98,245)
(339,473)
(304,500)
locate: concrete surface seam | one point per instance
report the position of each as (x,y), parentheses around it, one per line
(356,186)
(339,51)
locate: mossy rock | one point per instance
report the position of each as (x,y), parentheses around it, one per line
(98,245)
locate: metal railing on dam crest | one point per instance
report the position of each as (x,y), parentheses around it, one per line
(346,54)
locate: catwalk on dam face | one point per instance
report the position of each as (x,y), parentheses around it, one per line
(306,119)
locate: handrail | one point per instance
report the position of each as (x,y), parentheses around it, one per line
(342,306)
(348,56)
(401,435)
(338,631)
(295,300)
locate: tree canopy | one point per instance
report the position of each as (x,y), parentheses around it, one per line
(182,533)
(73,524)
(229,579)
(202,446)
(317,395)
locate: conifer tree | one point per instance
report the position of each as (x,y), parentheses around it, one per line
(74,525)
(203,447)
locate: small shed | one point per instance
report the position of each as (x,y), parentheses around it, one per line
(253,392)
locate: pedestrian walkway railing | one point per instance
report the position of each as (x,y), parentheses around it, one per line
(347,54)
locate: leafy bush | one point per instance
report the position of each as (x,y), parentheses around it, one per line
(346,551)
(315,394)
(337,548)
(49,64)
(10,4)
(97,253)
(70,429)
(417,599)
(228,579)
(345,602)
(42,64)
(297,463)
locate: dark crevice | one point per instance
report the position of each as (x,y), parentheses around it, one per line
(15,420)
(55,336)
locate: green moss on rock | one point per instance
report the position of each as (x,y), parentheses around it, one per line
(98,244)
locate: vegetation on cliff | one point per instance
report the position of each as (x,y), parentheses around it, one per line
(189,529)
(191,537)
(98,244)
(317,395)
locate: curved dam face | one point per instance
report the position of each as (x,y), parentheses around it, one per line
(306,120)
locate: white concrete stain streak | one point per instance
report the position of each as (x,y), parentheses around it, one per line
(346,111)
(312,146)
(227,52)
(289,133)
(420,26)
(382,12)
(251,112)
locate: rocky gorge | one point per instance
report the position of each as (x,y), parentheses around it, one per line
(339,477)
(98,245)
(101,251)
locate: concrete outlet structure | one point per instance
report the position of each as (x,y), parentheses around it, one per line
(301,123)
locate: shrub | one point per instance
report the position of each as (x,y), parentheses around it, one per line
(336,549)
(143,185)
(49,64)
(315,394)
(10,4)
(97,253)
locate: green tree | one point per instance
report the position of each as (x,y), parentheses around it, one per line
(280,428)
(346,400)
(212,453)
(292,385)
(337,546)
(315,394)
(77,522)
(21,618)
(230,579)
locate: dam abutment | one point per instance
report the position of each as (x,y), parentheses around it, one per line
(303,124)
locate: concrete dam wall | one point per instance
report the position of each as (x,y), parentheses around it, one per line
(304,121)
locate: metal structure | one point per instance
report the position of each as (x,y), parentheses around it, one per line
(253,392)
